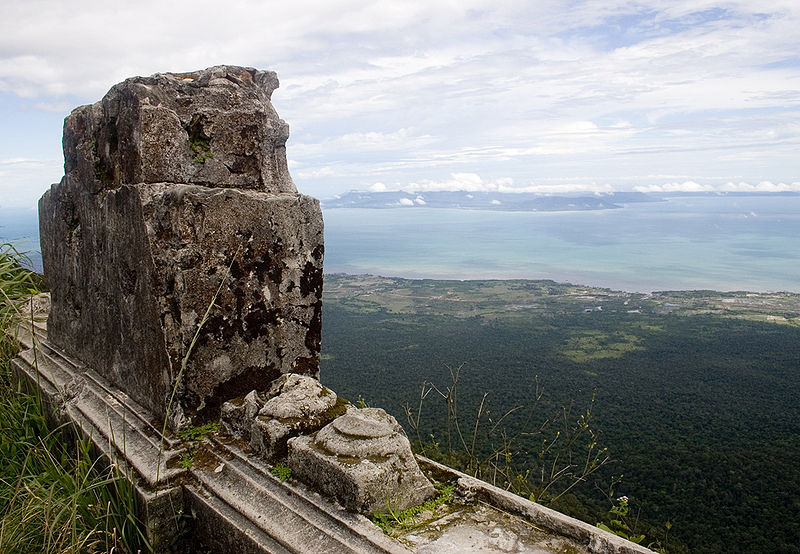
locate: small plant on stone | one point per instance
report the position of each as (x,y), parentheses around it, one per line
(202,149)
(623,521)
(281,471)
(394,519)
(198,433)
(186,461)
(619,524)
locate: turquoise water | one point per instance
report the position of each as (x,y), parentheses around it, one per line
(721,243)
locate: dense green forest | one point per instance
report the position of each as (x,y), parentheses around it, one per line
(697,395)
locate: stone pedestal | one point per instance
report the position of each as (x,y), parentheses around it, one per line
(364,460)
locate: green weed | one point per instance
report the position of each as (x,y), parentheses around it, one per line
(198,433)
(281,471)
(393,519)
(53,497)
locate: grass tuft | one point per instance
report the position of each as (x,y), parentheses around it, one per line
(53,497)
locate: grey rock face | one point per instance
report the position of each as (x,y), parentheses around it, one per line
(214,127)
(299,405)
(176,194)
(364,460)
(237,415)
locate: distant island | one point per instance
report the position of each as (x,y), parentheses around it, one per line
(506,201)
(482,200)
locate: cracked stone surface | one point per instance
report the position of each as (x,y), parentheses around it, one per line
(481,528)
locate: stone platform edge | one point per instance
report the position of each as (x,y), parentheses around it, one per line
(234,500)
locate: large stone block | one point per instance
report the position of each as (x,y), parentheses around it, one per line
(215,127)
(297,405)
(176,195)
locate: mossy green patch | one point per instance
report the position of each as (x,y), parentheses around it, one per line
(596,345)
(394,520)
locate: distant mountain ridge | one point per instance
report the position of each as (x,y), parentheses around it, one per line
(497,201)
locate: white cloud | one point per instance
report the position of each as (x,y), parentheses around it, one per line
(316,173)
(457,182)
(405,202)
(594,91)
(691,186)
(763,186)
(686,186)
(470,182)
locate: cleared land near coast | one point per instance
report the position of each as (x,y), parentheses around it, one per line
(696,392)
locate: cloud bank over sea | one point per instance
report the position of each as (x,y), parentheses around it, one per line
(472,182)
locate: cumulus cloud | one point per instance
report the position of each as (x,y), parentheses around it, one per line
(394,91)
(471,182)
(763,186)
(457,182)
(686,186)
(691,186)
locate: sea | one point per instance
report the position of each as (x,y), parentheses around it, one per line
(725,243)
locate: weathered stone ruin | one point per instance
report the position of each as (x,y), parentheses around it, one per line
(364,460)
(177,196)
(186,278)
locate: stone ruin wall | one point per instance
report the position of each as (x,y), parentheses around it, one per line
(185,273)
(185,268)
(176,187)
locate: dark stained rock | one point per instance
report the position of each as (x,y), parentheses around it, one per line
(176,194)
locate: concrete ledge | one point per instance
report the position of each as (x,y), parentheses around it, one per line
(227,502)
(594,539)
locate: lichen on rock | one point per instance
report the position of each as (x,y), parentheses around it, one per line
(176,194)
(364,460)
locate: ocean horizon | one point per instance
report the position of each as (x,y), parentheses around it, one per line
(746,243)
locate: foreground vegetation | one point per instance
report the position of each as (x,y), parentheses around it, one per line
(55,495)
(695,393)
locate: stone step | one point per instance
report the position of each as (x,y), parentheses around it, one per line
(116,424)
(300,521)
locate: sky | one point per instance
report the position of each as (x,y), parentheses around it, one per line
(543,96)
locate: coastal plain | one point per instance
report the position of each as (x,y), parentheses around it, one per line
(694,393)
